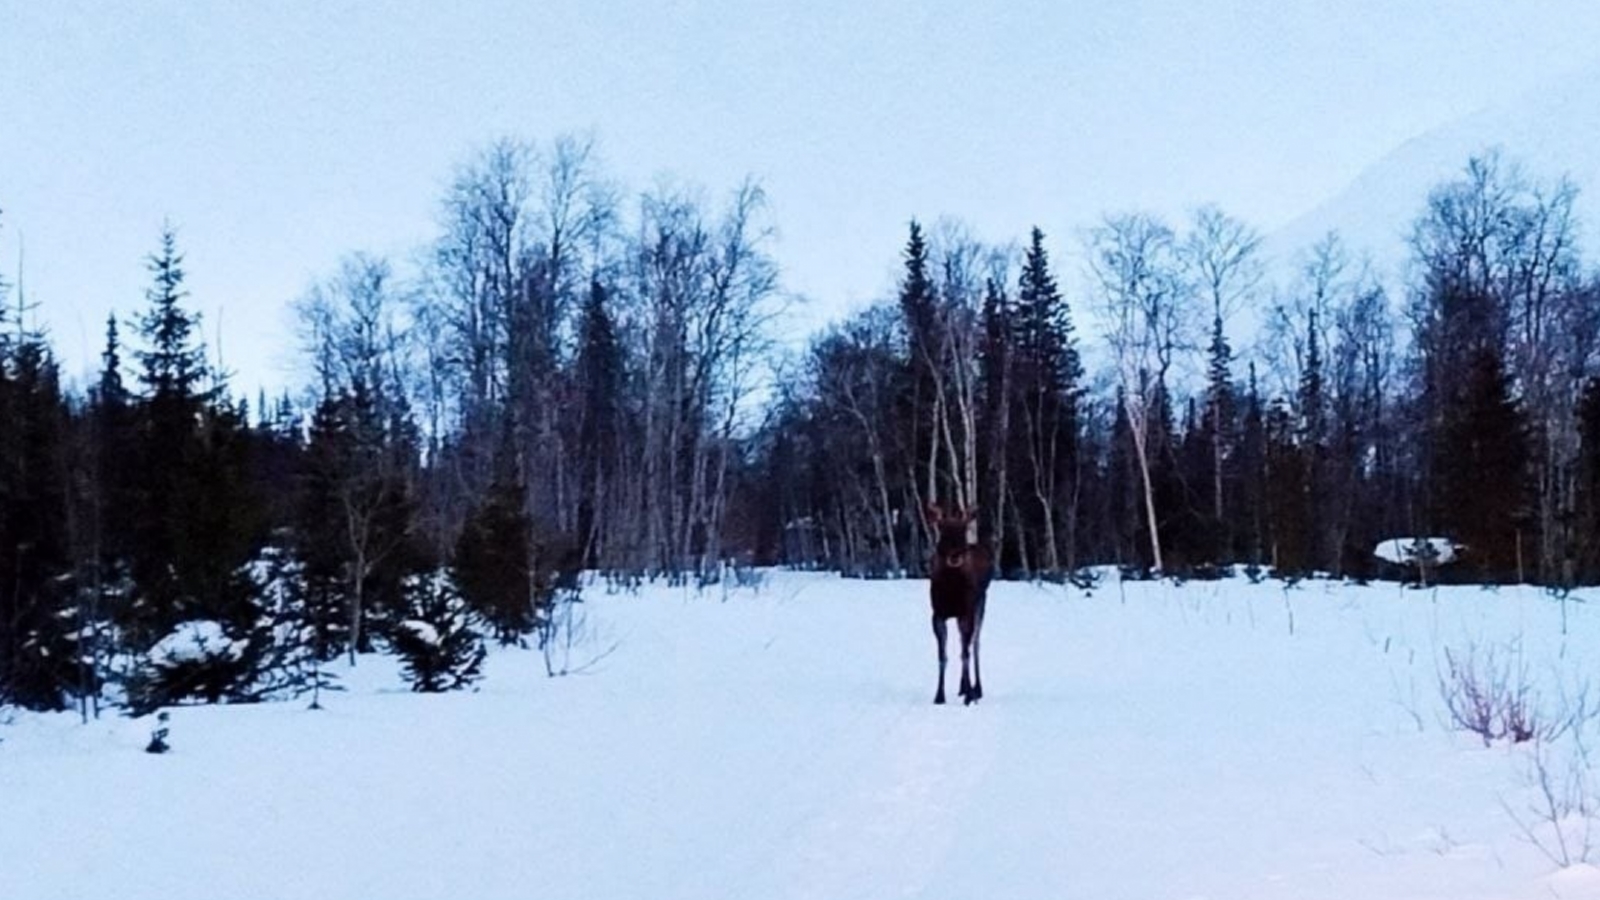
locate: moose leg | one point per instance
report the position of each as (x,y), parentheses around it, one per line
(965,623)
(939,633)
(976,694)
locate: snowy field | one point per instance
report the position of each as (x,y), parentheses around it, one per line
(1220,740)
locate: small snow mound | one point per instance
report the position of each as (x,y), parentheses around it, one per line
(1580,881)
(1403,551)
(196,641)
(424,631)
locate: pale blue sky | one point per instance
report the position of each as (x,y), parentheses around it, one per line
(280,135)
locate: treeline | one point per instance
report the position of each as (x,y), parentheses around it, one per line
(561,386)
(574,379)
(1465,407)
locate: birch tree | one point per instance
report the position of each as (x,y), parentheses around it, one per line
(1147,315)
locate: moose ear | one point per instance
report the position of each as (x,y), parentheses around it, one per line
(935,515)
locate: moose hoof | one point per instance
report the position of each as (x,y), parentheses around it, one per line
(938,700)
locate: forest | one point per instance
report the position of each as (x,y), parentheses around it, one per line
(582,381)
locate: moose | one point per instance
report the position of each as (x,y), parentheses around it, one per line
(958,586)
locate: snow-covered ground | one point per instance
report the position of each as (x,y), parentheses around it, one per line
(1220,740)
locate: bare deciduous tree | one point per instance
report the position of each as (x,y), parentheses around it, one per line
(1148,316)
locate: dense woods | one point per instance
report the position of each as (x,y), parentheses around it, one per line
(582,379)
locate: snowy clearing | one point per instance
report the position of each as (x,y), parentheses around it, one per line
(1221,740)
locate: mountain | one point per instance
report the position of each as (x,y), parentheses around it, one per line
(1549,132)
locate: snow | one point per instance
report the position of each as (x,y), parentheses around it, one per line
(424,631)
(195,641)
(1145,740)
(1403,551)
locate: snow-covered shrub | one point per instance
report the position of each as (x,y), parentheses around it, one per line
(1085,578)
(1131,572)
(198,659)
(439,641)
(1207,571)
(1052,576)
(1417,558)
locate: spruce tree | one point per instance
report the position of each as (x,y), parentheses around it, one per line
(165,446)
(39,664)
(1286,499)
(112,427)
(320,539)
(173,361)
(1219,432)
(1048,373)
(1587,530)
(600,377)
(995,365)
(919,312)
(492,562)
(1481,470)
(195,521)
(437,639)
(1251,519)
(1313,443)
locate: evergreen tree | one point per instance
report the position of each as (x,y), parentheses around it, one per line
(1481,470)
(1219,428)
(174,361)
(1126,505)
(1587,564)
(320,539)
(294,661)
(39,665)
(920,314)
(1251,519)
(1048,373)
(1286,499)
(437,640)
(164,447)
(492,562)
(1313,443)
(600,378)
(357,530)
(112,423)
(195,523)
(1196,542)
(995,365)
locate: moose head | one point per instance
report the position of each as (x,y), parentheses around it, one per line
(952,527)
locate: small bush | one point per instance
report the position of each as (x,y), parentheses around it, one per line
(1085,578)
(1487,696)
(1136,573)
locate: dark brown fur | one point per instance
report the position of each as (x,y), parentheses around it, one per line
(958,586)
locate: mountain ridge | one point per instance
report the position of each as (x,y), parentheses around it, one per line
(1549,132)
